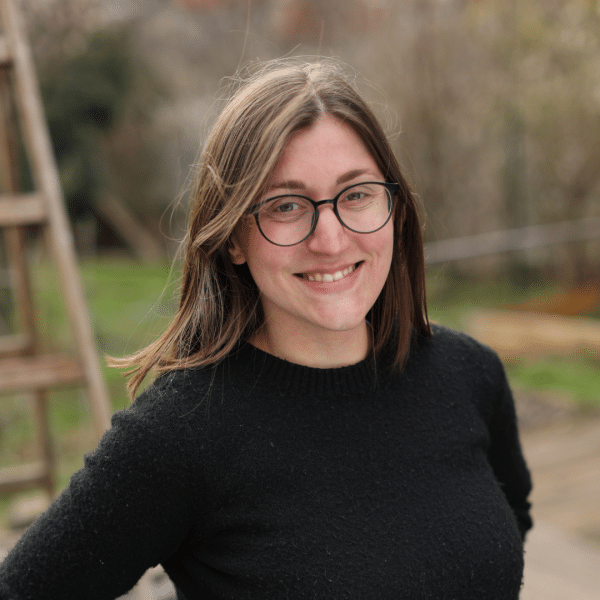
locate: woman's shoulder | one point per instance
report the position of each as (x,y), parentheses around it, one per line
(454,364)
(447,338)
(174,391)
(456,351)
(158,413)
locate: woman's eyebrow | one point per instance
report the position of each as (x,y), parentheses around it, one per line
(293,184)
(289,184)
(350,175)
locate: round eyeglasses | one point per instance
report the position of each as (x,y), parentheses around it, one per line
(289,219)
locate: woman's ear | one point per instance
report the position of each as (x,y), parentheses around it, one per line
(235,251)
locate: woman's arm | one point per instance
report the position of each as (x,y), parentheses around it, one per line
(128,509)
(506,456)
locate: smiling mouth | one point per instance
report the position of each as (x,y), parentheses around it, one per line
(329,277)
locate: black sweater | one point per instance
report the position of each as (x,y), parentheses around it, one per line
(263,479)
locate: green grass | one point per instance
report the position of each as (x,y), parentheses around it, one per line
(450,298)
(575,378)
(129,305)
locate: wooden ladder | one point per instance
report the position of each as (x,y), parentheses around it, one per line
(24,369)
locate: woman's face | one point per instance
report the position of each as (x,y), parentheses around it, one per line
(318,162)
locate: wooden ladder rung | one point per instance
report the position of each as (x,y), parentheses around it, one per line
(16,344)
(23,477)
(38,372)
(5,56)
(22,209)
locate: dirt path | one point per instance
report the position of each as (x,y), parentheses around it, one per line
(565,462)
(562,560)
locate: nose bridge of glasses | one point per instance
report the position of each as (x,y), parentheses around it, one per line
(317,206)
(318,203)
(328,231)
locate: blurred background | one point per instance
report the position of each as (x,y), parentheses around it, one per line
(493,108)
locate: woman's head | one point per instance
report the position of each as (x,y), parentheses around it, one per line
(219,300)
(318,246)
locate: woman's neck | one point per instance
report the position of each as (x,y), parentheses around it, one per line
(321,349)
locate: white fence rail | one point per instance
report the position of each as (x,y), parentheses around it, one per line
(522,238)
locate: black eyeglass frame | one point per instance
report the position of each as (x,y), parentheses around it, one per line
(392,189)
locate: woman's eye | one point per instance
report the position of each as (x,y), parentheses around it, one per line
(354,196)
(357,197)
(286,207)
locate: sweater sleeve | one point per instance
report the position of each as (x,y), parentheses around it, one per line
(128,508)
(505,453)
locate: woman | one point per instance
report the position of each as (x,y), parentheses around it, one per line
(309,435)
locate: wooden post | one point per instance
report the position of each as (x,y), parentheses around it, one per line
(23,368)
(45,173)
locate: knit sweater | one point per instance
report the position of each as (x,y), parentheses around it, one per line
(263,479)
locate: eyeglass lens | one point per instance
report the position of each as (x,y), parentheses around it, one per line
(287,220)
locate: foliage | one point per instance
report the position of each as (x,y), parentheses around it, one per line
(499,114)
(99,93)
(84,98)
(492,106)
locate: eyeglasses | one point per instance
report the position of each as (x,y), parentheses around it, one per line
(289,219)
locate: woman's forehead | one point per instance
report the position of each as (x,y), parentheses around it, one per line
(328,147)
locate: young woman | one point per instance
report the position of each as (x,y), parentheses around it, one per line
(309,434)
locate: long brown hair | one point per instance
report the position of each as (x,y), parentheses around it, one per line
(219,303)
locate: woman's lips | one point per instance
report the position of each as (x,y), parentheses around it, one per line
(329,277)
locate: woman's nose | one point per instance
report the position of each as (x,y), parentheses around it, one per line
(330,235)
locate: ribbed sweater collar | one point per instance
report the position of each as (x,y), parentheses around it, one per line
(268,370)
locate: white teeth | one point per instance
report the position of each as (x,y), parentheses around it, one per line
(329,277)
